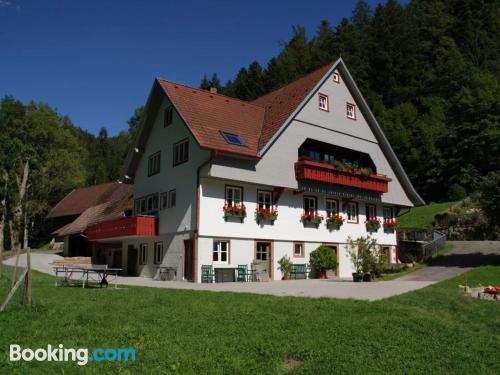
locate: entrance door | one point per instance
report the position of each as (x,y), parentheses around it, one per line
(131,260)
(264,255)
(335,250)
(188,260)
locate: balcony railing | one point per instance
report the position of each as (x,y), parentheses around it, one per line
(323,172)
(140,226)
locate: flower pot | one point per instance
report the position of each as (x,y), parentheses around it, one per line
(321,275)
(367,276)
(286,276)
(357,277)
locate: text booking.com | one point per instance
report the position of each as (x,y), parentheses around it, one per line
(81,356)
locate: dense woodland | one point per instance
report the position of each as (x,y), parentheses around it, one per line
(429,70)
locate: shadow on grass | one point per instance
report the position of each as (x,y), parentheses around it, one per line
(471,260)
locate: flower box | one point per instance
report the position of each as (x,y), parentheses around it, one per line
(324,172)
(390,225)
(311,218)
(334,222)
(372,224)
(235,211)
(263,215)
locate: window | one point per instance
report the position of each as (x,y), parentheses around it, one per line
(137,206)
(310,204)
(262,250)
(386,251)
(143,253)
(332,207)
(323,102)
(158,252)
(234,195)
(388,213)
(154,164)
(352,212)
(233,139)
(298,249)
(181,152)
(147,205)
(351,111)
(143,205)
(169,115)
(220,252)
(371,211)
(336,77)
(168,199)
(264,199)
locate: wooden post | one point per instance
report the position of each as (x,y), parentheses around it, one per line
(27,279)
(12,291)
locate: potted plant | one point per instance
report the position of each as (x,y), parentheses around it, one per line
(266,215)
(285,266)
(311,217)
(372,224)
(390,225)
(236,210)
(323,259)
(365,257)
(334,222)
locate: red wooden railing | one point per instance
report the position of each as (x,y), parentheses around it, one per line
(323,172)
(129,226)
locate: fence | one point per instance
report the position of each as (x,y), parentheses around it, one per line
(418,245)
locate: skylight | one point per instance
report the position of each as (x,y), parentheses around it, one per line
(233,139)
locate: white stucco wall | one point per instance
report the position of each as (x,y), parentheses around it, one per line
(181,177)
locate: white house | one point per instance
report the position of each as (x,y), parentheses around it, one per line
(199,159)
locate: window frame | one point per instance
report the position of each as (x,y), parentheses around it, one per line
(347,105)
(327,109)
(337,75)
(151,170)
(155,257)
(392,217)
(143,254)
(271,201)
(171,193)
(302,252)
(226,136)
(357,212)
(176,162)
(219,251)
(168,116)
(367,211)
(336,206)
(268,253)
(226,187)
(315,199)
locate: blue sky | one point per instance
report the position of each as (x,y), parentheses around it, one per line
(95,61)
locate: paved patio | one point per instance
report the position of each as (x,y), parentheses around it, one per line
(297,288)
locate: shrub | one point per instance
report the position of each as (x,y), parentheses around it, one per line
(285,265)
(323,259)
(365,255)
(489,199)
(456,192)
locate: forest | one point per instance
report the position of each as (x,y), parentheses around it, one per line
(428,69)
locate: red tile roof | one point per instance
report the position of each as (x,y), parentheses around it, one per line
(207,114)
(81,199)
(281,103)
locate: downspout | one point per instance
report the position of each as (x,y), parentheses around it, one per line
(197,213)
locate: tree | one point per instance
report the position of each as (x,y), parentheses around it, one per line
(134,121)
(489,199)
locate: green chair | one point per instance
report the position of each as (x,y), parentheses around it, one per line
(207,273)
(242,272)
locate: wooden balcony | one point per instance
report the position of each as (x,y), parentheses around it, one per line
(137,226)
(322,172)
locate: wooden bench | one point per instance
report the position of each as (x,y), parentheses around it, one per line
(299,269)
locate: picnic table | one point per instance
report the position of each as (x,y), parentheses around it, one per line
(98,273)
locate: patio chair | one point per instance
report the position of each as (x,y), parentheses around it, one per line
(242,272)
(207,273)
(251,274)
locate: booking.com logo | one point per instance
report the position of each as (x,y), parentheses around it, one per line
(61,354)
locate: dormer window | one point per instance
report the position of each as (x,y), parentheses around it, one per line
(351,111)
(323,102)
(169,114)
(336,77)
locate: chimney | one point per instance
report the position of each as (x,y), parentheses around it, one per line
(213,90)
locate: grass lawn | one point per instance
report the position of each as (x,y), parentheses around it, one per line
(422,217)
(432,330)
